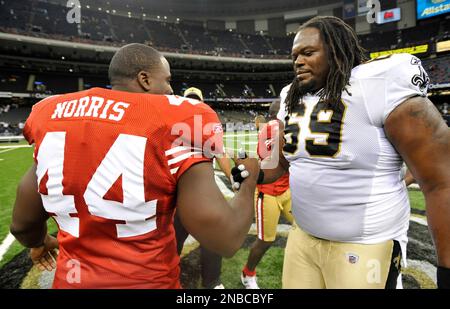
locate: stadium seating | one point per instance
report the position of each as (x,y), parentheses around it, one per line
(438,69)
(95,25)
(99,27)
(127,29)
(51,18)
(15,14)
(198,38)
(40,18)
(15,115)
(13,81)
(164,34)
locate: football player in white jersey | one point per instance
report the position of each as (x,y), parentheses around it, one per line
(349,125)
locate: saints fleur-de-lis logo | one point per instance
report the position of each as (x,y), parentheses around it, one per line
(421,79)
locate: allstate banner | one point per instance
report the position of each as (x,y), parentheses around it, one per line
(429,8)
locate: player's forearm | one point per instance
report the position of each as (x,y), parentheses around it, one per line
(225,166)
(29,218)
(409,178)
(31,235)
(242,216)
(438,216)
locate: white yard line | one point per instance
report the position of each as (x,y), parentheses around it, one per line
(6,244)
(15,146)
(6,150)
(229,148)
(235,135)
(419,220)
(223,188)
(9,148)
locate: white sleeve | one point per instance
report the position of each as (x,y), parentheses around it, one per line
(405,79)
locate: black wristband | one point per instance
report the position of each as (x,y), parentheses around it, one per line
(260,177)
(443,277)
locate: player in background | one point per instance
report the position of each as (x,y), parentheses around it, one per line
(271,200)
(110,168)
(210,262)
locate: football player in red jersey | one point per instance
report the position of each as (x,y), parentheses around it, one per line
(110,166)
(210,262)
(271,200)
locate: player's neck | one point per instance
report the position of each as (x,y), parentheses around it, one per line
(126,88)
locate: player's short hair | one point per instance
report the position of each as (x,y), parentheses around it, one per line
(130,59)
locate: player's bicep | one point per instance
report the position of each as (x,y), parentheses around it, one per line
(28,209)
(419,134)
(201,206)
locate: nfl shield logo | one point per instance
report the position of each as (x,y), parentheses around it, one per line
(352,258)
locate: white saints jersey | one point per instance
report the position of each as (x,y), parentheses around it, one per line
(345,175)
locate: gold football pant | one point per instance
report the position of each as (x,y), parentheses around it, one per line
(268,209)
(314,263)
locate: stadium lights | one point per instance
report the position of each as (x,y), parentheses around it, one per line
(99,9)
(165,17)
(62,57)
(88,7)
(143,14)
(158,17)
(114,11)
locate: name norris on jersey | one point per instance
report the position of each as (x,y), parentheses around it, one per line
(96,107)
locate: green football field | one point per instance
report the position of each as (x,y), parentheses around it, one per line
(16,158)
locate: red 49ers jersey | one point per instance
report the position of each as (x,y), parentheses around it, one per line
(264,148)
(108,163)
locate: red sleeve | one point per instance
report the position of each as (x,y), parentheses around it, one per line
(30,129)
(195,139)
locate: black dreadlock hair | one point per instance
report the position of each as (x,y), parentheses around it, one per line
(344,53)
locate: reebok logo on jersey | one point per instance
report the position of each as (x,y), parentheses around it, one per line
(217,128)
